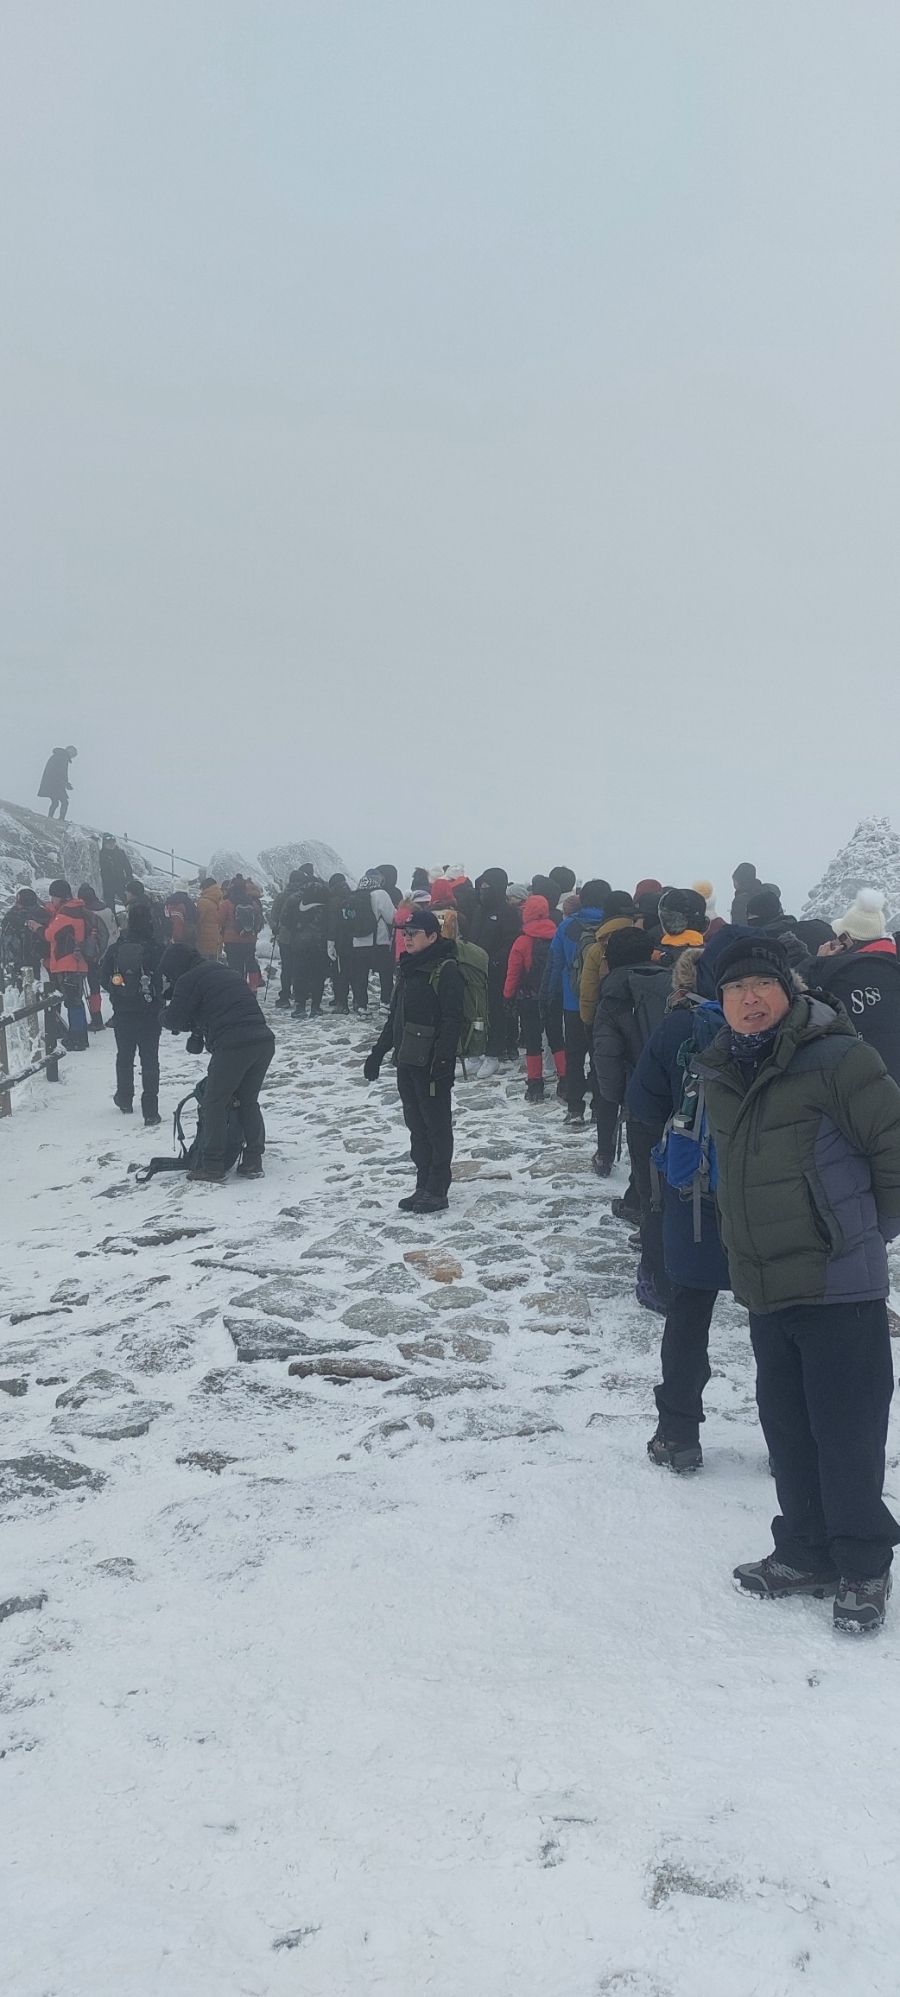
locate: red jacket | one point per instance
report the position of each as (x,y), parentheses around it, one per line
(65,934)
(535,922)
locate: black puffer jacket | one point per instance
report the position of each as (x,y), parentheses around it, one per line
(212,1000)
(618,1034)
(417,1001)
(867,982)
(495,923)
(304,919)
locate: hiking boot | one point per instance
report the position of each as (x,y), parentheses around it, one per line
(251,1166)
(647,1293)
(534,1092)
(859,1606)
(678,1456)
(489,1066)
(315,1012)
(622,1209)
(361,1011)
(339,1008)
(127,1109)
(97,1024)
(430,1203)
(408,1205)
(299,1012)
(207,1178)
(574,1120)
(601,1166)
(152,1119)
(771,1579)
(282,1002)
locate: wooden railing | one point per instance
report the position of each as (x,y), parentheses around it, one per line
(53,1054)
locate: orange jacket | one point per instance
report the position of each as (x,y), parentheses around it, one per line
(65,934)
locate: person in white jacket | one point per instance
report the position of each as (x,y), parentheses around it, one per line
(381,956)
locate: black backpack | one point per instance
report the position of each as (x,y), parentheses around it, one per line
(530,988)
(192,1154)
(246,918)
(138,986)
(357,915)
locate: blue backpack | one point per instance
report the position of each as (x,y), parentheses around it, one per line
(686,1153)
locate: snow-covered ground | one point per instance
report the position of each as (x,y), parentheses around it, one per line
(420,1682)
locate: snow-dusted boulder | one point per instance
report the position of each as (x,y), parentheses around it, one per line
(871,859)
(35,849)
(278,862)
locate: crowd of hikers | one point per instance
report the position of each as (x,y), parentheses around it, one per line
(748,1065)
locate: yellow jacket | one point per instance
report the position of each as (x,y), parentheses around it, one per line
(209,937)
(594,968)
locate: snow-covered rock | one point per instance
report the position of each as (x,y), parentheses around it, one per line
(271,867)
(34,849)
(279,861)
(871,859)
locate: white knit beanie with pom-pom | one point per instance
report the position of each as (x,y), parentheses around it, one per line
(865,920)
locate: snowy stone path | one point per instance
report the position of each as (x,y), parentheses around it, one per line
(409,1674)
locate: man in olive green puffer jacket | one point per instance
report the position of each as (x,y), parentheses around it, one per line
(806,1123)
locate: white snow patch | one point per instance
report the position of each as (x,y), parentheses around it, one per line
(420,1684)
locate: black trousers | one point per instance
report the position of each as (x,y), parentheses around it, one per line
(240,1072)
(340,979)
(607,1127)
(383,963)
(578,1051)
(287,970)
(241,957)
(62,803)
(684,1357)
(535,1021)
(824,1380)
(138,1033)
(310,968)
(641,1139)
(429,1120)
(503,1026)
(359,964)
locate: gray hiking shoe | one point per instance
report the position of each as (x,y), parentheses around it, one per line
(859,1606)
(771,1579)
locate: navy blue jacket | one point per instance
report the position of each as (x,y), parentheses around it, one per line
(654,1092)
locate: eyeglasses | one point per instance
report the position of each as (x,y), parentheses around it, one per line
(754,987)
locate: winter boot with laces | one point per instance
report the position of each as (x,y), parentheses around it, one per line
(859,1606)
(771,1579)
(679,1456)
(647,1293)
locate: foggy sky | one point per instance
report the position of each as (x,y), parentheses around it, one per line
(454,432)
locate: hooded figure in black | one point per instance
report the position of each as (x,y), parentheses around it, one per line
(22,938)
(217,1008)
(495,925)
(55,780)
(130,974)
(745,884)
(306,912)
(423,1027)
(389,883)
(116,871)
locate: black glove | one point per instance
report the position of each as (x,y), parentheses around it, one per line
(194,1043)
(371,1068)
